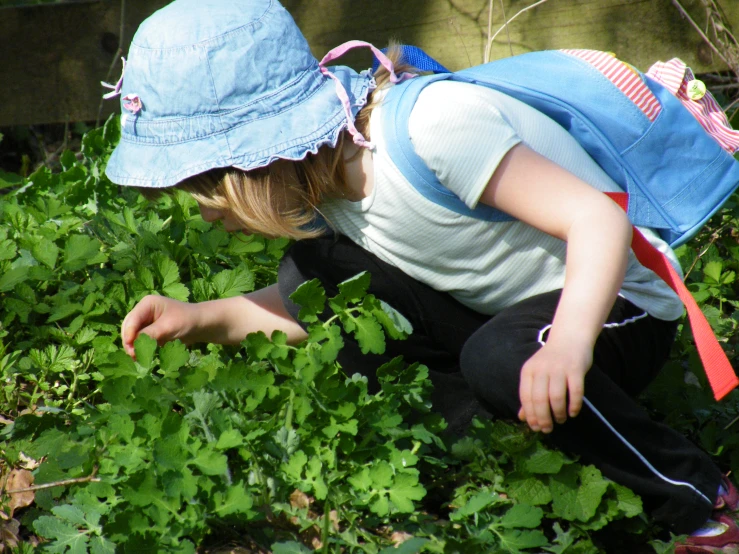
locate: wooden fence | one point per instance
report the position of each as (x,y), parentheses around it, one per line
(53,56)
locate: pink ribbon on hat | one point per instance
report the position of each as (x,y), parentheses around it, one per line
(339,51)
(131,102)
(117,87)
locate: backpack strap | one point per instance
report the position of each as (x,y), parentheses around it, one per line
(396,113)
(718,369)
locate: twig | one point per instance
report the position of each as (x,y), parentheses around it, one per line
(714,238)
(116,57)
(486,57)
(707,40)
(505,25)
(732,422)
(63,483)
(507,28)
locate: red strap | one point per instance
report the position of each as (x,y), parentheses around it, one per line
(720,374)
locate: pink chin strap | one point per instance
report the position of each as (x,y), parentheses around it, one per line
(117,87)
(339,51)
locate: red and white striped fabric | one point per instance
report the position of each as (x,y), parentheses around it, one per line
(624,77)
(675,76)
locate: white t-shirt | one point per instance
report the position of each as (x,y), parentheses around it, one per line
(462,132)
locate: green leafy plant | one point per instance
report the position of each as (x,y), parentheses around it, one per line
(268,445)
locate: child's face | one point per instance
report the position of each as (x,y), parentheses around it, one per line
(212,215)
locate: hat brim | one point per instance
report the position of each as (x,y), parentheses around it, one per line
(291,134)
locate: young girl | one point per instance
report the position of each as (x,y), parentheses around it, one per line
(548,318)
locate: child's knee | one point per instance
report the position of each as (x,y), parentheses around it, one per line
(491,363)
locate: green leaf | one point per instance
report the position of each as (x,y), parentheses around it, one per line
(145,347)
(543,460)
(101,545)
(404,491)
(288,439)
(401,459)
(395,324)
(522,515)
(7,249)
(515,539)
(258,345)
(311,298)
(172,356)
(166,269)
(361,480)
(118,364)
(290,547)
(411,546)
(369,335)
(528,490)
(64,535)
(67,159)
(211,463)
(355,288)
(230,438)
(294,465)
(80,251)
(577,492)
(46,252)
(9,179)
(237,501)
(70,513)
(233,282)
(13,277)
(627,501)
(712,270)
(474,505)
(63,311)
(178,291)
(381,474)
(332,344)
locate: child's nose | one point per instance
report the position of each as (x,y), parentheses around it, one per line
(210,214)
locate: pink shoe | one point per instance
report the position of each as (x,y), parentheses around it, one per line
(728,502)
(725,542)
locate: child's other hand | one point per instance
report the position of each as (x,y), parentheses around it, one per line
(163,319)
(547,379)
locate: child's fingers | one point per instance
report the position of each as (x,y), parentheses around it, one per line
(527,403)
(542,412)
(558,398)
(576,387)
(142,315)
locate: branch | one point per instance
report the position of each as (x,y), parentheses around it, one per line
(707,40)
(90,478)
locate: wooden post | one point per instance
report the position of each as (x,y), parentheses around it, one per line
(53,56)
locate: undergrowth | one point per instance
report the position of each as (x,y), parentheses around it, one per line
(267,446)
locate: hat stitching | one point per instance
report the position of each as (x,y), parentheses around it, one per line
(291,84)
(170,121)
(211,39)
(260,158)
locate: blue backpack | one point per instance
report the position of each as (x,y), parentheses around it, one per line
(674,172)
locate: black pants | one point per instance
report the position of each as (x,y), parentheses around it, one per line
(475,362)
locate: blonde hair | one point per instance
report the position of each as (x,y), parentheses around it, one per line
(283,198)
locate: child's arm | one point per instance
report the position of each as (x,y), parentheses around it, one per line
(224,321)
(537,191)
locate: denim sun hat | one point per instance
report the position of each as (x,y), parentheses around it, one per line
(218,83)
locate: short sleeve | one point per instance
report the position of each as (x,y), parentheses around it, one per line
(461,136)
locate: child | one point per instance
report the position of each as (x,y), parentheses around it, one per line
(222,98)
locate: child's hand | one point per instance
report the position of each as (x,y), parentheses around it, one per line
(555,372)
(163,319)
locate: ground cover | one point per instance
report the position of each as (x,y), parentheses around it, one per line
(269,447)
